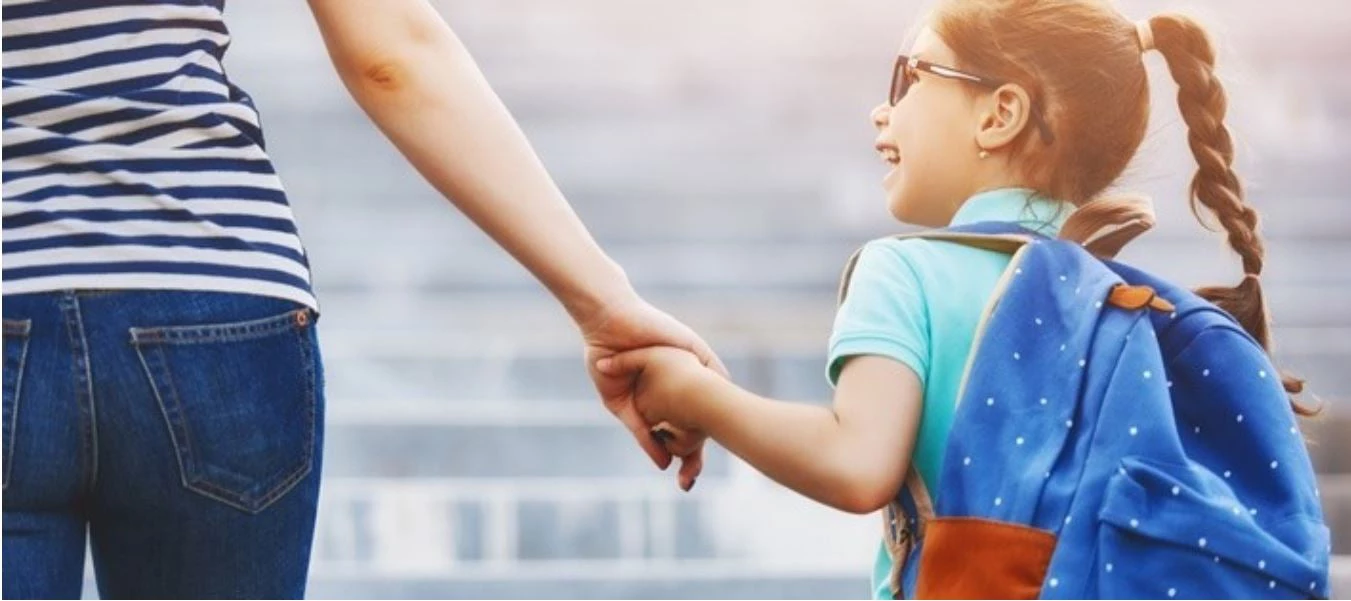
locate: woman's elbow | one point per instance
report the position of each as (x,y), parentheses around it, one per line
(383,74)
(402,67)
(391,52)
(378,75)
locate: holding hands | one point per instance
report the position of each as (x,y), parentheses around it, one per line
(666,383)
(628,370)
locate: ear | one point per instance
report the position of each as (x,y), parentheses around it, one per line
(1002,116)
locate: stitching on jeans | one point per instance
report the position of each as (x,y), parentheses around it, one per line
(70,307)
(19,329)
(311,403)
(93,402)
(239,501)
(198,482)
(182,424)
(168,423)
(211,333)
(309,345)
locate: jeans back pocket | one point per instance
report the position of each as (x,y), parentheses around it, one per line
(240,402)
(15,358)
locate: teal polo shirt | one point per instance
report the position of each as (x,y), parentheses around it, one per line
(918,302)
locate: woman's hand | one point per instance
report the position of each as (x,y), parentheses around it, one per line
(667,379)
(634,324)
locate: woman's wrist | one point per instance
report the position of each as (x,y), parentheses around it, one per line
(600,293)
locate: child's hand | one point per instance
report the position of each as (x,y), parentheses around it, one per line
(666,378)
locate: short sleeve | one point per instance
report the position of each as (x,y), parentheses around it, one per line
(884,312)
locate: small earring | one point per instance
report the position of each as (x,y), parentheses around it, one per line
(984,154)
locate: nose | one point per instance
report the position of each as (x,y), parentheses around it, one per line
(881,116)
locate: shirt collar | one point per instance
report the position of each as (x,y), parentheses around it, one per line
(1022,206)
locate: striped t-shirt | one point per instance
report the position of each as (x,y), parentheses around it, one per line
(131,161)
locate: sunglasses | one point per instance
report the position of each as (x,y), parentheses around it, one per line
(906,73)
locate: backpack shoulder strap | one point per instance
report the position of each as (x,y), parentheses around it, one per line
(905,517)
(1000,237)
(903,523)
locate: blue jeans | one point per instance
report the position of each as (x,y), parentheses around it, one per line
(182,429)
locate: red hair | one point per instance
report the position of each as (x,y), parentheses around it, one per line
(1081,60)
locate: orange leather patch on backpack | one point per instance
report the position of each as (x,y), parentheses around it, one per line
(970,558)
(1137,297)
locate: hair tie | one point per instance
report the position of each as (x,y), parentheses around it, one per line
(1145,34)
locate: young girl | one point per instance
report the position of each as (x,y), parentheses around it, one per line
(1020,111)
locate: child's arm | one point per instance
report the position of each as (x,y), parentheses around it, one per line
(853,456)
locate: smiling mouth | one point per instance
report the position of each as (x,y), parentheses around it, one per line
(890,154)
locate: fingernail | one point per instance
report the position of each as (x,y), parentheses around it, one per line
(690,487)
(604,364)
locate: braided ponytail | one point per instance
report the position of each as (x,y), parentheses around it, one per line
(1190,55)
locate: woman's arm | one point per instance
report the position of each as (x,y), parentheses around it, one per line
(418,83)
(420,86)
(852,456)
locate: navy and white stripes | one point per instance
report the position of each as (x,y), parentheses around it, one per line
(131,161)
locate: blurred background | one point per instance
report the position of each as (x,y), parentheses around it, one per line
(721,152)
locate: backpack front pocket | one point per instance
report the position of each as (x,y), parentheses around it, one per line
(1161,537)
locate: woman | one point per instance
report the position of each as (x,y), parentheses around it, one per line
(162,380)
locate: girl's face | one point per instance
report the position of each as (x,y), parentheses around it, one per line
(929,140)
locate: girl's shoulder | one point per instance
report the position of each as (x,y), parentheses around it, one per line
(923,256)
(939,275)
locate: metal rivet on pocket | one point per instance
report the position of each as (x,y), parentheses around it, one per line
(302,318)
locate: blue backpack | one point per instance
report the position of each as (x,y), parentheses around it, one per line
(1116,437)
